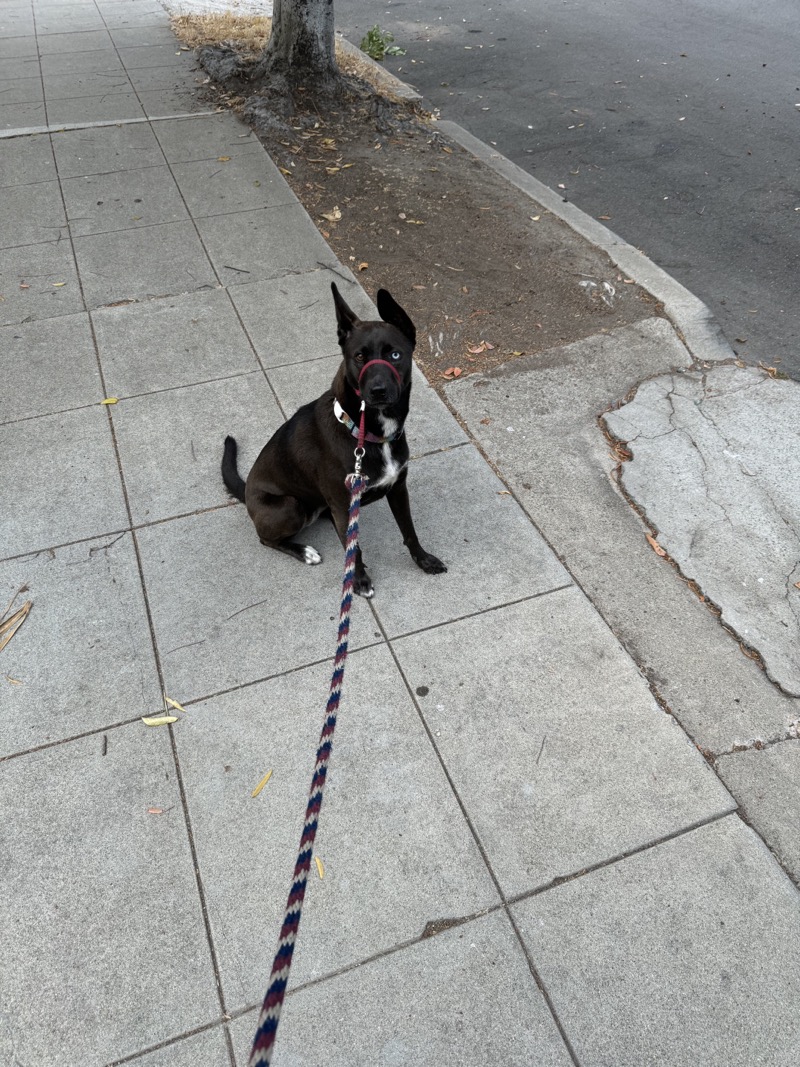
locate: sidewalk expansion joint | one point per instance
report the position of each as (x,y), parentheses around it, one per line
(31,131)
(621,856)
(168,1042)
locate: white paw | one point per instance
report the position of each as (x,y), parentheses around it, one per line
(311,556)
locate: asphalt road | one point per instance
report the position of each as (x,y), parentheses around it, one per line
(679,121)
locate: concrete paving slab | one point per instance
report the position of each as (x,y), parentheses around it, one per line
(165,103)
(31,214)
(16,23)
(558,751)
(236,242)
(38,282)
(103,60)
(492,552)
(183,76)
(11,47)
(396,856)
(765,784)
(560,467)
(93,83)
(83,658)
(125,200)
(169,54)
(465,996)
(126,15)
(162,344)
(292,319)
(208,1048)
(22,91)
(22,116)
(150,33)
(231,611)
(88,41)
(16,68)
(166,481)
(716,468)
(243,183)
(429,425)
(105,950)
(207,137)
(26,158)
(48,367)
(106,149)
(68,18)
(73,452)
(117,107)
(134,264)
(684,954)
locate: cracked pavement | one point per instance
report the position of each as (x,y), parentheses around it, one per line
(715,469)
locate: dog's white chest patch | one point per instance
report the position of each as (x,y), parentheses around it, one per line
(391,468)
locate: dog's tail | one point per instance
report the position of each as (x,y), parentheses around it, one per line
(234,482)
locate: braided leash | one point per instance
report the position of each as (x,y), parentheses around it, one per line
(264,1041)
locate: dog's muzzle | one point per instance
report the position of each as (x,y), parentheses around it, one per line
(378,392)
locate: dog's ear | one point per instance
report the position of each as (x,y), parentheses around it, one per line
(391,312)
(345,318)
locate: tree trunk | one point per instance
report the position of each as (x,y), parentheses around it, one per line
(300,50)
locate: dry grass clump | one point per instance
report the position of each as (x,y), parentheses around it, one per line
(249,32)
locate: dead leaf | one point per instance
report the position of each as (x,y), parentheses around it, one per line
(332,170)
(13,681)
(605,218)
(24,286)
(9,626)
(485,422)
(446,149)
(503,492)
(476,350)
(261,784)
(796,585)
(58,285)
(415,222)
(110,400)
(223,159)
(159,720)
(332,216)
(452,372)
(535,218)
(363,266)
(419,287)
(155,811)
(320,866)
(656,547)
(174,704)
(518,353)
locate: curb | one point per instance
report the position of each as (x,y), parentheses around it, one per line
(383,77)
(697,327)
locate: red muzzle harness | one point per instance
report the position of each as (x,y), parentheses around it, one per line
(372,363)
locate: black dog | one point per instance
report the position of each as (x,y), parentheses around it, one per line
(301,471)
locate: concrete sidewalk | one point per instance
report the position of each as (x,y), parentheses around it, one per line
(526,860)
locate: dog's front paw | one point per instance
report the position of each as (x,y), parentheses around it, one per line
(430,564)
(362,585)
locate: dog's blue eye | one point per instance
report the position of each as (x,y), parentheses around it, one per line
(396,355)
